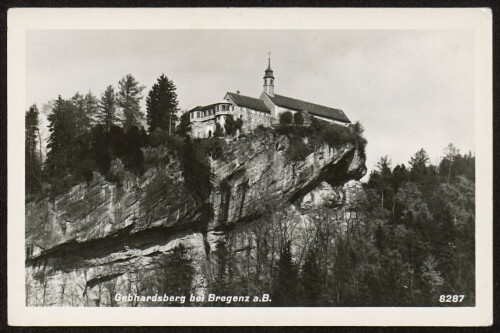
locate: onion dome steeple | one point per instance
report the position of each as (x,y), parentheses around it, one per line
(269,78)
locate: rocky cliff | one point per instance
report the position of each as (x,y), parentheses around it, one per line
(100,238)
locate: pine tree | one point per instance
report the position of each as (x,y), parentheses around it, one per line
(162,105)
(108,115)
(129,97)
(32,156)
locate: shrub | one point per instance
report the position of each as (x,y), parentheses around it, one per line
(231,125)
(298,119)
(286,118)
(218,133)
(297,149)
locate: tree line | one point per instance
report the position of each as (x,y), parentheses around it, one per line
(409,241)
(87,133)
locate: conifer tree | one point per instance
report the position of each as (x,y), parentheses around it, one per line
(86,108)
(162,105)
(418,164)
(285,289)
(311,279)
(62,127)
(129,97)
(32,156)
(176,272)
(108,115)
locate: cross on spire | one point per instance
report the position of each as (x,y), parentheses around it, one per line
(269,57)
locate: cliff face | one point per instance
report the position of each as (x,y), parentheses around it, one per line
(101,233)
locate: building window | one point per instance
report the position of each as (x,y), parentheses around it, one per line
(271,81)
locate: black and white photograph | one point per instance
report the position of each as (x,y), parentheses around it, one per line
(233,167)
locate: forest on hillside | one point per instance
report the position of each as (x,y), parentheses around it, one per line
(411,243)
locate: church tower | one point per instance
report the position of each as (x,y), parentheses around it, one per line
(269,78)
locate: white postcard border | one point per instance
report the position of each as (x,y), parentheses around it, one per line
(479,20)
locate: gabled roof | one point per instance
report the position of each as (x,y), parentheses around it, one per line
(249,102)
(314,109)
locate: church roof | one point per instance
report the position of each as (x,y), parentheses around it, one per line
(314,109)
(249,102)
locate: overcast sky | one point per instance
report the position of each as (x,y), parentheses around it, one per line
(410,89)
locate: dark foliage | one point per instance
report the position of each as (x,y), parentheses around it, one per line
(318,133)
(286,284)
(219,132)
(175,273)
(32,153)
(298,118)
(184,126)
(162,105)
(231,126)
(107,110)
(128,99)
(286,118)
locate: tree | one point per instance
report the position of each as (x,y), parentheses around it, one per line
(32,156)
(100,149)
(311,279)
(418,164)
(176,272)
(133,157)
(286,118)
(62,127)
(381,179)
(286,282)
(399,176)
(108,115)
(451,156)
(184,127)
(129,97)
(162,105)
(298,118)
(219,132)
(86,108)
(231,126)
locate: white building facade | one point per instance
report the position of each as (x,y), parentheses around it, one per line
(253,112)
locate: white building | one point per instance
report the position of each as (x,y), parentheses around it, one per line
(264,110)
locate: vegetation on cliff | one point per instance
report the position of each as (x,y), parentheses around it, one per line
(408,241)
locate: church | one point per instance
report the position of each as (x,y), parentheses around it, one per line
(253,112)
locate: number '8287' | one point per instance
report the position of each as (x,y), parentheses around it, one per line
(451,298)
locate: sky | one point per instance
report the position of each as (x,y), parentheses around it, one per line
(410,89)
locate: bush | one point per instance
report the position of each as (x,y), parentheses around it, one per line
(286,118)
(231,125)
(298,118)
(218,133)
(297,149)
(318,133)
